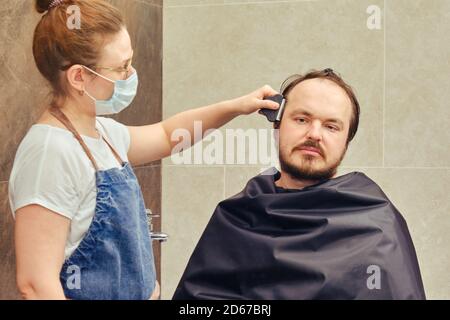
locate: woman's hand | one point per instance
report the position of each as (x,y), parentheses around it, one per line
(254,101)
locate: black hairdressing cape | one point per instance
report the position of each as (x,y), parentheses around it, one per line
(340,238)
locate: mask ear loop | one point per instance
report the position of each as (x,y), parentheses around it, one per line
(82,92)
(98,74)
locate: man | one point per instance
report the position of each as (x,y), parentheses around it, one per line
(304,233)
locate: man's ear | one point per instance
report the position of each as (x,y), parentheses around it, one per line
(76,77)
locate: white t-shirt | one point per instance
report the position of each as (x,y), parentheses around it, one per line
(52,170)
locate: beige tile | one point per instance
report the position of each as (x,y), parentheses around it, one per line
(418,65)
(236,178)
(189,198)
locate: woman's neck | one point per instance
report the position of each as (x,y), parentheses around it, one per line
(83,120)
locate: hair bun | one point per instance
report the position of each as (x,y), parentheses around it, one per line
(42,5)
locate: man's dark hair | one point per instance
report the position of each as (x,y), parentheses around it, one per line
(329,74)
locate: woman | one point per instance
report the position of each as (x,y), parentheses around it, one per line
(81,229)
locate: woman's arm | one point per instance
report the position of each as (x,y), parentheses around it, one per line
(153,142)
(40,237)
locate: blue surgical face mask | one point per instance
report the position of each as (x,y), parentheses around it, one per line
(124,93)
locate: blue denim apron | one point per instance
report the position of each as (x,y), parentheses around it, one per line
(115,258)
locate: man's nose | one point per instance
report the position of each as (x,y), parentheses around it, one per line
(315,131)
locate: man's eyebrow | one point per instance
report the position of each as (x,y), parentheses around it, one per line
(306,113)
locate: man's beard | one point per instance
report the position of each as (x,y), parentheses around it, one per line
(306,170)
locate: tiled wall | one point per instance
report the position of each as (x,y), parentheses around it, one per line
(23,93)
(219,49)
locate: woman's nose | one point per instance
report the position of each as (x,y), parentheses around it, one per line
(130,71)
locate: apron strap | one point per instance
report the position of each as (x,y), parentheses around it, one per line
(114,151)
(58,114)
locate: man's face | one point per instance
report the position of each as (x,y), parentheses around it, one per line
(317,115)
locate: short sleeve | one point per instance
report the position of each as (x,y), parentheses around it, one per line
(44,175)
